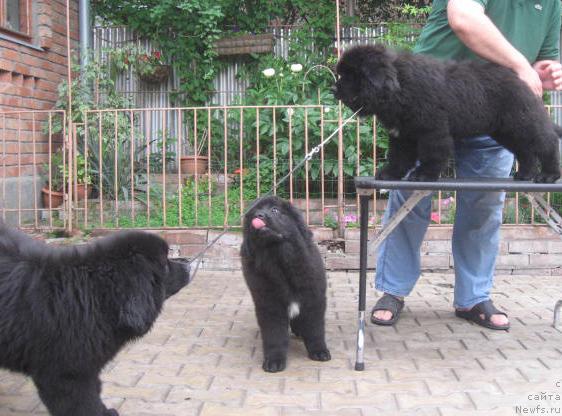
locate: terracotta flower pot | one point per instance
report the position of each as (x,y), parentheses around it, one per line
(82,191)
(51,199)
(189,166)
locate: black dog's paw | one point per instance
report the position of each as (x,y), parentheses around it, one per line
(418,175)
(274,365)
(386,174)
(526,177)
(110,412)
(546,177)
(321,355)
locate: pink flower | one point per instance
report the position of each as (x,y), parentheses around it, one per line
(350,218)
(448,201)
(435,217)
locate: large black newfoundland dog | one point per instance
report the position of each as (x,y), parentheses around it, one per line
(286,277)
(426,104)
(66,311)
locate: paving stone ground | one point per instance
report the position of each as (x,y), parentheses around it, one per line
(203,357)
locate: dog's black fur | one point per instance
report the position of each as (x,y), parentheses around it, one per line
(66,311)
(426,103)
(282,266)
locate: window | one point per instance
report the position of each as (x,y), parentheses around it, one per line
(15,17)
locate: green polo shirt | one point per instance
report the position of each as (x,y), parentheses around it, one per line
(531,26)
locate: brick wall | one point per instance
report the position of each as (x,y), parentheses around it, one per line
(30,72)
(29,77)
(524,249)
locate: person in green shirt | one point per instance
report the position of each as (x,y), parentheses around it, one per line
(523,35)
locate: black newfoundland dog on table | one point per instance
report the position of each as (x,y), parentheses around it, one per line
(285,274)
(66,311)
(426,103)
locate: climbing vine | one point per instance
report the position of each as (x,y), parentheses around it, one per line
(186,30)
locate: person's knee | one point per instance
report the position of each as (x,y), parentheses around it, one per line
(485,202)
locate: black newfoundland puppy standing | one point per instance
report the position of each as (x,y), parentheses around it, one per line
(285,274)
(66,311)
(426,103)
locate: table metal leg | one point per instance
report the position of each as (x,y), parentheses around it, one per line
(363,241)
(364,198)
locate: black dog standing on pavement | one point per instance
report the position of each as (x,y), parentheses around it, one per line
(66,311)
(285,274)
(426,103)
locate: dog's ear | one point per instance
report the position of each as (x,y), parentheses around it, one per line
(137,314)
(379,69)
(143,294)
(299,220)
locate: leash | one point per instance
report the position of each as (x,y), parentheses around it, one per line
(196,260)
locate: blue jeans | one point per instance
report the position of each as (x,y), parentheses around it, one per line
(475,235)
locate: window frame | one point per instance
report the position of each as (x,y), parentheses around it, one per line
(25,20)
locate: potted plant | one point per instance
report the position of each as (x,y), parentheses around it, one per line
(151,68)
(52,193)
(195,164)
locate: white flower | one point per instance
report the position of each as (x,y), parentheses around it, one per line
(281,74)
(296,67)
(269,72)
(327,109)
(290,111)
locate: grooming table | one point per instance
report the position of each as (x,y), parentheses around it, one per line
(366,186)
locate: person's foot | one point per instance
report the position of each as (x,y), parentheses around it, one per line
(496,320)
(387,309)
(485,314)
(384,315)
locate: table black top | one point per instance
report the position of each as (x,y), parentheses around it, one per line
(460,184)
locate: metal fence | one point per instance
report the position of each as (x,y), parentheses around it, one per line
(207,164)
(201,169)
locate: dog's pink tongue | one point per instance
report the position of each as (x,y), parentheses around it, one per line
(258,223)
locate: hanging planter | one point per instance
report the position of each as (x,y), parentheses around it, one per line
(157,74)
(150,67)
(245,44)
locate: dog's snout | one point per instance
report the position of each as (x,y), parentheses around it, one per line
(184,264)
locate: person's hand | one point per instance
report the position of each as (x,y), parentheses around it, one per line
(550,74)
(531,77)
